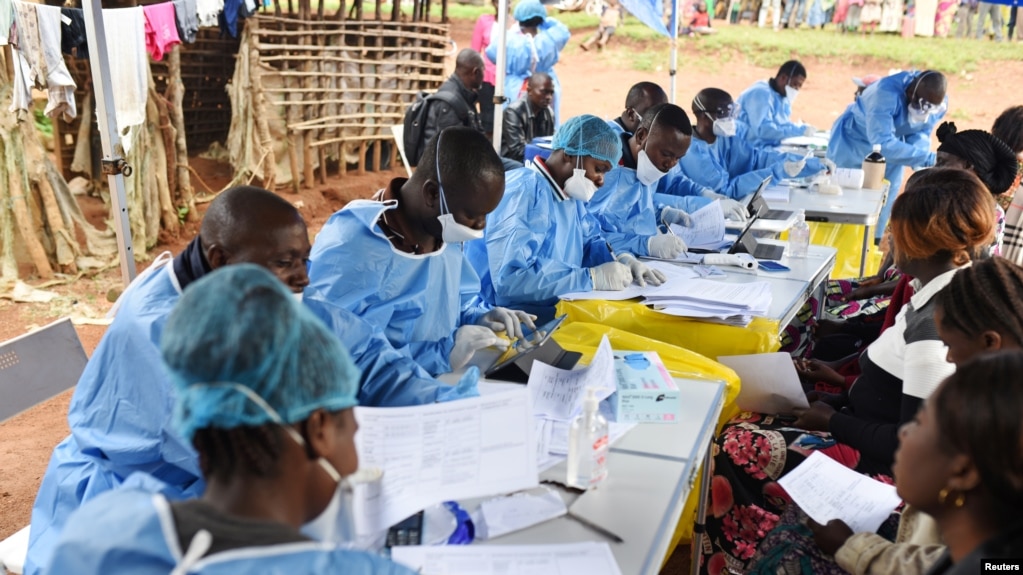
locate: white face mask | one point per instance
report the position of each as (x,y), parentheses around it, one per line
(646,171)
(451,231)
(578,186)
(917,117)
(298,296)
(791,93)
(724,127)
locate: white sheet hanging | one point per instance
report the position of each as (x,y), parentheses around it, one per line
(128,67)
(208,11)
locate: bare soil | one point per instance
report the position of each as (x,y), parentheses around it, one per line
(593,83)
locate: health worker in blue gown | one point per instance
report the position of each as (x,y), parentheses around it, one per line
(120,411)
(396,261)
(535,47)
(722,158)
(631,214)
(641,97)
(766,107)
(541,242)
(264,392)
(898,113)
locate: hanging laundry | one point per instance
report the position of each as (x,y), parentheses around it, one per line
(186,16)
(161,29)
(39,61)
(6,20)
(129,67)
(73,41)
(208,10)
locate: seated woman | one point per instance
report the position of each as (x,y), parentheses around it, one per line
(942,219)
(265,393)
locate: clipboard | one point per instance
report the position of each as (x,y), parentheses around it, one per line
(516,363)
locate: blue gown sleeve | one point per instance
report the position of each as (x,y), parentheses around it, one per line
(551,39)
(748,166)
(618,209)
(515,233)
(390,378)
(882,108)
(688,204)
(595,250)
(764,125)
(473,306)
(676,183)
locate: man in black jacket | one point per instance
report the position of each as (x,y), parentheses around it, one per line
(464,83)
(528,118)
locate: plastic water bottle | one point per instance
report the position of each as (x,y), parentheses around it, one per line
(799,236)
(587,446)
(873,169)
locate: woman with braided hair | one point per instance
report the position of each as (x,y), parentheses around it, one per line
(1008,127)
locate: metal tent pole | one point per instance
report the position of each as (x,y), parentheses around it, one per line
(502,57)
(673,67)
(114,165)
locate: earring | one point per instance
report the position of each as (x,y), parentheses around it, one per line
(942,496)
(959,501)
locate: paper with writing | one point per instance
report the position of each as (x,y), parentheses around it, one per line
(708,227)
(589,558)
(559,393)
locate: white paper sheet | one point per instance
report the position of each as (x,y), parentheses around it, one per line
(559,393)
(589,558)
(438,452)
(708,227)
(769,382)
(503,515)
(825,489)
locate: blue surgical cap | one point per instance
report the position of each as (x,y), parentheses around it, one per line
(529,9)
(239,327)
(588,135)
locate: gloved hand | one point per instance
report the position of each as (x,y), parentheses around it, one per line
(665,246)
(676,216)
(809,130)
(793,168)
(709,193)
(611,276)
(734,210)
(509,321)
(466,387)
(829,165)
(641,272)
(471,338)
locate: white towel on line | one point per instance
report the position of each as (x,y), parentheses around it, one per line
(208,10)
(129,67)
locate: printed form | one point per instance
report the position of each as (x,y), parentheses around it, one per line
(444,451)
(589,558)
(559,393)
(708,229)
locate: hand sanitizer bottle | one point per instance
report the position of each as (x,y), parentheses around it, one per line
(587,445)
(799,236)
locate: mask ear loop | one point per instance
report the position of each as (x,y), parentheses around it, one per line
(440,186)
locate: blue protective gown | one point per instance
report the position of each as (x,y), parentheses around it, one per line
(132,531)
(629,212)
(537,245)
(618,129)
(880,116)
(768,115)
(120,414)
(733,167)
(417,300)
(527,54)
(676,183)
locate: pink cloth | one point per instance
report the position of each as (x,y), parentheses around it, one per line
(485,25)
(161,29)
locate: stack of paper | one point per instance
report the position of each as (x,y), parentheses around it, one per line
(560,559)
(730,303)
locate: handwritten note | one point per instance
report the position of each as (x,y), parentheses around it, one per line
(559,393)
(825,489)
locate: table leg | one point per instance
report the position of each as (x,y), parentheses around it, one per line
(863,254)
(701,511)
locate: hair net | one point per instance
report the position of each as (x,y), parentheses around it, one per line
(529,9)
(992,159)
(240,326)
(588,135)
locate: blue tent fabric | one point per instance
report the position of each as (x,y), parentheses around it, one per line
(649,12)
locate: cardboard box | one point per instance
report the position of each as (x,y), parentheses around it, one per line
(646,391)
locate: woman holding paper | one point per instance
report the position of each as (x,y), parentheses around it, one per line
(941,222)
(265,393)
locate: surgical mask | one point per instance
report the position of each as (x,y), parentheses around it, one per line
(724,127)
(451,231)
(578,186)
(298,296)
(646,171)
(791,93)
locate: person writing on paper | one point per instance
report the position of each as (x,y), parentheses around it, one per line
(396,260)
(541,242)
(898,112)
(265,395)
(629,211)
(978,313)
(942,221)
(640,98)
(723,160)
(529,117)
(766,107)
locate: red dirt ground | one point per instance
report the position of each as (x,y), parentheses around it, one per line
(592,83)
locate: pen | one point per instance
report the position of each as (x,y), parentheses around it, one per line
(596,528)
(611,251)
(685,251)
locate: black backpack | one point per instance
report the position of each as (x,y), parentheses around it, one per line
(415,120)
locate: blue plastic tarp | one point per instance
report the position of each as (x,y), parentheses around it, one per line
(649,12)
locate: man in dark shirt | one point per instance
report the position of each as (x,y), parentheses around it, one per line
(464,83)
(530,117)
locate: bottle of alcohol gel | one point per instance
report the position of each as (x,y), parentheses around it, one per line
(799,236)
(587,445)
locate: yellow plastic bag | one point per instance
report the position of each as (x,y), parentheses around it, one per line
(848,240)
(707,339)
(585,337)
